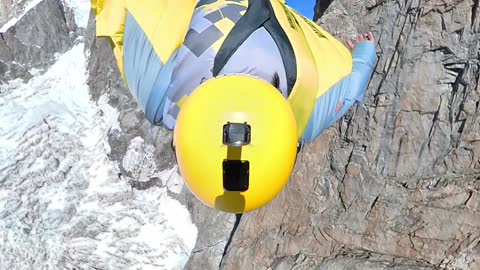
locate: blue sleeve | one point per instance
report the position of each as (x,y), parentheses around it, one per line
(332,105)
(147,77)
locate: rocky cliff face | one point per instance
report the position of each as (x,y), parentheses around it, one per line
(393,185)
(5,10)
(32,42)
(10,9)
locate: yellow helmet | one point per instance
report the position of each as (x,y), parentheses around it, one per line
(236,143)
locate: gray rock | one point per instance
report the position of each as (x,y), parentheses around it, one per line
(399,178)
(104,79)
(33,41)
(10,9)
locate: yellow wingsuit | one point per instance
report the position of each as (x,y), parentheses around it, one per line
(166,23)
(169,50)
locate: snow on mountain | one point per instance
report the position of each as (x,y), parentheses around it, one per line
(81,10)
(62,202)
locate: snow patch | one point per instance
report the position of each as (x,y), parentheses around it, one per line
(81,10)
(172,180)
(62,204)
(139,160)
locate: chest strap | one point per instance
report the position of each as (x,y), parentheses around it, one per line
(259,14)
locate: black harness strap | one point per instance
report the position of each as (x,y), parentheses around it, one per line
(259,13)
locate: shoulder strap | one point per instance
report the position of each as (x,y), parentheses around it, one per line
(258,14)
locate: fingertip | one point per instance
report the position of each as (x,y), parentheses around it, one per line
(370,36)
(350,44)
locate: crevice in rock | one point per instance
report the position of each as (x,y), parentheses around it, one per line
(444,24)
(372,206)
(238,218)
(9,49)
(399,152)
(474,12)
(341,191)
(445,50)
(470,195)
(320,8)
(434,121)
(341,198)
(377,4)
(62,11)
(397,53)
(390,261)
(205,248)
(144,185)
(415,13)
(460,69)
(277,261)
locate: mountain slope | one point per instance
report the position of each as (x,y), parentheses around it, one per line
(63,202)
